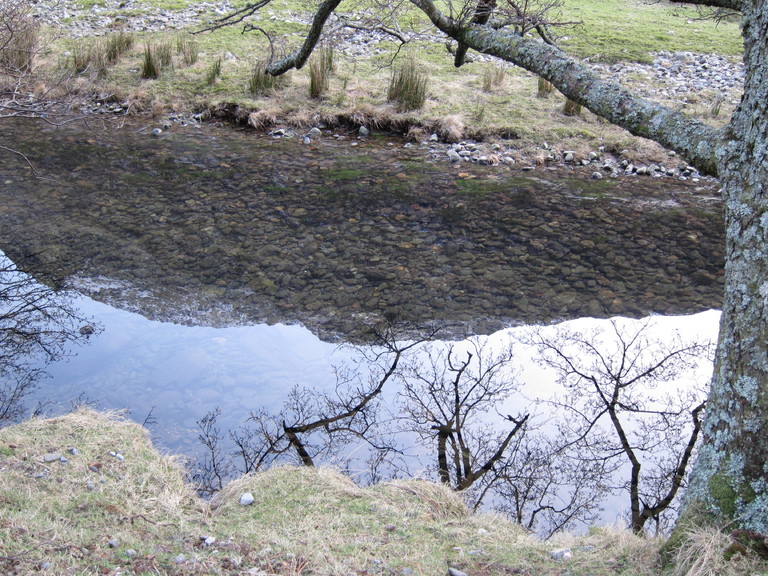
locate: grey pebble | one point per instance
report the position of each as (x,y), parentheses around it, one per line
(130,552)
(247,499)
(455,572)
(51,457)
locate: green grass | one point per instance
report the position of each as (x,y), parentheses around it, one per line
(630,30)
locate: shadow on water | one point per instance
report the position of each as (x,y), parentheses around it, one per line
(211,226)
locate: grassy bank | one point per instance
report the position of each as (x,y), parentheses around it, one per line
(215,71)
(117,506)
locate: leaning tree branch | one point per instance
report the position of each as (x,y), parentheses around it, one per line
(694,140)
(298,58)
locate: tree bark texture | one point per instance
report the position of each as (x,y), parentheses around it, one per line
(730,480)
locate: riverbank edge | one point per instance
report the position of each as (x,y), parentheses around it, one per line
(89,491)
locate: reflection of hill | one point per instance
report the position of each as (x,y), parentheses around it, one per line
(218,228)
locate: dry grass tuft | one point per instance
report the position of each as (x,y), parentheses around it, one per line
(301,118)
(113,486)
(450,128)
(416,134)
(493,77)
(263,119)
(366,115)
(705,551)
(262,84)
(408,87)
(321,66)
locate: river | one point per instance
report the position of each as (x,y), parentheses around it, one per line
(223,267)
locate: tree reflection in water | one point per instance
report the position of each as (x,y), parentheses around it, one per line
(38,325)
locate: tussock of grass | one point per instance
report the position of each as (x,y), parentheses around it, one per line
(187,49)
(65,513)
(493,77)
(262,84)
(150,67)
(214,71)
(706,551)
(450,128)
(321,67)
(408,88)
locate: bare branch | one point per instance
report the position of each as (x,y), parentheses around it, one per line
(300,57)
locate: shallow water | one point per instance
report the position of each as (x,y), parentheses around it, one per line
(226,267)
(213,226)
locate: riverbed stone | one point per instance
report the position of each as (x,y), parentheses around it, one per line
(308,236)
(454,156)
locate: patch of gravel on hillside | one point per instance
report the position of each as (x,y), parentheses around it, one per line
(680,75)
(127,15)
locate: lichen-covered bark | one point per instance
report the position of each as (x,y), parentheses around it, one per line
(730,481)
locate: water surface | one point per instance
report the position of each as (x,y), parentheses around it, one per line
(212,226)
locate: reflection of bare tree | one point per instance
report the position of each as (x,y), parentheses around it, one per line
(622,407)
(446,400)
(37,324)
(313,426)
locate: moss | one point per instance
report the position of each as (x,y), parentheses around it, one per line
(346,174)
(723,494)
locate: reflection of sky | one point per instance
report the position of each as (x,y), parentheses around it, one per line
(182,372)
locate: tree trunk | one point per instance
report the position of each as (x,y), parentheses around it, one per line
(730,478)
